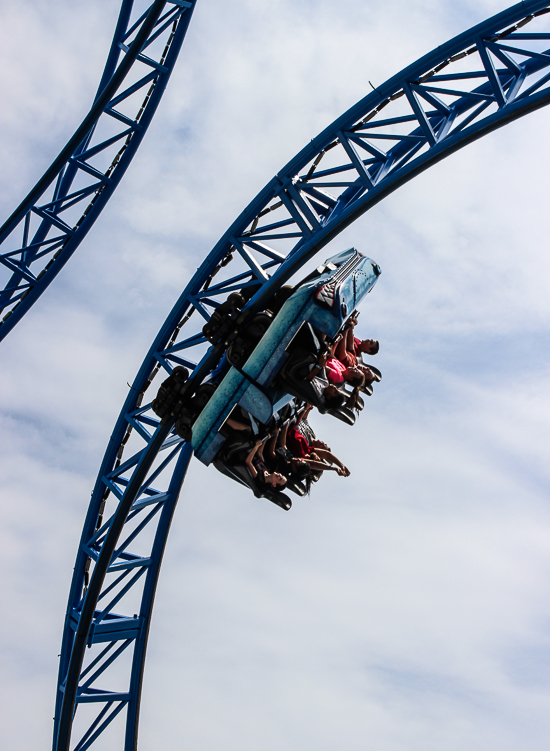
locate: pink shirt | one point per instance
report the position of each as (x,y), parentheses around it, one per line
(335,370)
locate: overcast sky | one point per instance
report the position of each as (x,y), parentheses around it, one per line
(405,608)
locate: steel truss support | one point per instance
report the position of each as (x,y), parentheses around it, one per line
(477,82)
(48,226)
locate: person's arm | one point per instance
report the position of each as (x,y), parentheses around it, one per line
(260,452)
(329,456)
(283,434)
(334,345)
(342,348)
(318,465)
(303,413)
(272,442)
(248,461)
(317,368)
(350,345)
(321,466)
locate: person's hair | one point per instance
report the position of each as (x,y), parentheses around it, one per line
(303,472)
(334,401)
(375,347)
(357,380)
(353,401)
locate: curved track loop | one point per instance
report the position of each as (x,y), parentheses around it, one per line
(473,84)
(45,230)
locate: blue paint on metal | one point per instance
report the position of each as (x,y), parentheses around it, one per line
(478,99)
(35,261)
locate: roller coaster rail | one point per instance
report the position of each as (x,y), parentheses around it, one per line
(47,227)
(477,82)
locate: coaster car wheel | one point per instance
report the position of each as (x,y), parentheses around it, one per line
(258,326)
(183,427)
(241,348)
(237,353)
(180,373)
(223,318)
(203,395)
(169,391)
(280,297)
(189,413)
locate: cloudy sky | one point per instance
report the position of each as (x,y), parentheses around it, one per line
(403,609)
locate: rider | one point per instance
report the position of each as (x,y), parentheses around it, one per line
(300,448)
(326,392)
(279,458)
(359,346)
(259,471)
(349,348)
(307,431)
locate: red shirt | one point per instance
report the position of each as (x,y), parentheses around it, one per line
(356,343)
(335,370)
(349,360)
(297,444)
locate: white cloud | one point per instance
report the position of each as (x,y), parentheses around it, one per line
(402,608)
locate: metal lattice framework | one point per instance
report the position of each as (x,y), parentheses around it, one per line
(477,82)
(48,226)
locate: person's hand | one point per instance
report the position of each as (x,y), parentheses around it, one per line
(343,471)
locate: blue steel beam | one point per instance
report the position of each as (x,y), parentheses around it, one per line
(50,223)
(475,83)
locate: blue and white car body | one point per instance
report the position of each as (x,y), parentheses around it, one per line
(324,301)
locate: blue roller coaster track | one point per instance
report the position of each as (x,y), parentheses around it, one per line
(477,82)
(50,223)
